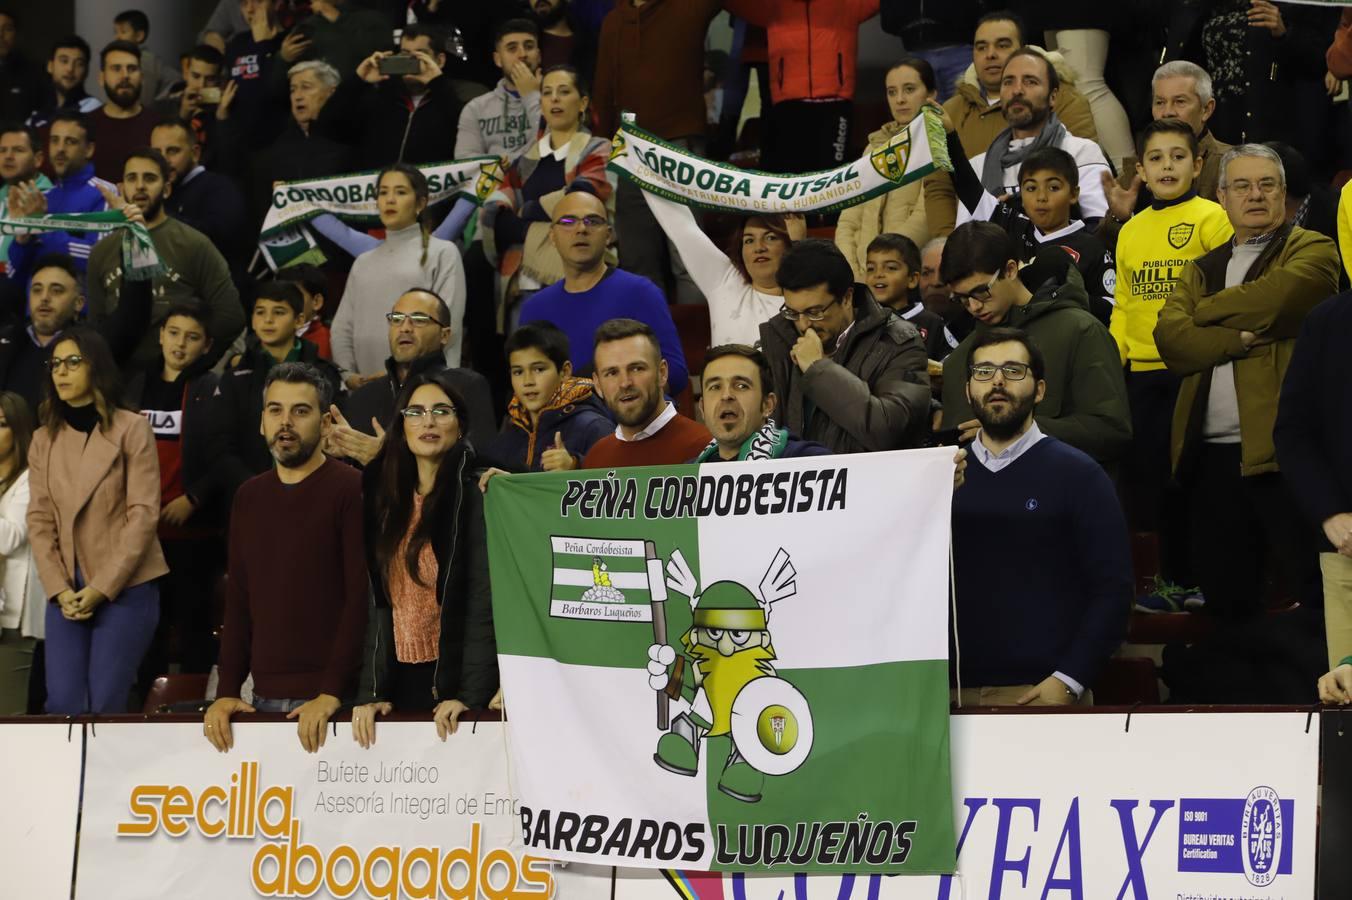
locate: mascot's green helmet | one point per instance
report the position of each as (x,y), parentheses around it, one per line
(730,606)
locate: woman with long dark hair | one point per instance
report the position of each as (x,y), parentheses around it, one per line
(430,644)
(24,606)
(410,257)
(94,479)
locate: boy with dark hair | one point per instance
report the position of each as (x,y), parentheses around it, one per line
(554,418)
(1086,401)
(174,395)
(277,313)
(1043,212)
(893,273)
(1153,249)
(504,121)
(848,373)
(313,284)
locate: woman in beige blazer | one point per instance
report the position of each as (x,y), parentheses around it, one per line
(94,483)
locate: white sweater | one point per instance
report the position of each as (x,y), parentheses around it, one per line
(736,309)
(360,334)
(23,602)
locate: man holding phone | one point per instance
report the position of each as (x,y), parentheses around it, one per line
(410,110)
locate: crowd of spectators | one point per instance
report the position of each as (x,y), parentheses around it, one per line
(1121,305)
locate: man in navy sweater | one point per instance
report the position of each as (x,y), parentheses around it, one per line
(1042,568)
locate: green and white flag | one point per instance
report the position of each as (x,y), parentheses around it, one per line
(730,667)
(353,195)
(671,172)
(140,261)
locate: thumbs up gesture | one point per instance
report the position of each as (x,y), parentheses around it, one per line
(557,458)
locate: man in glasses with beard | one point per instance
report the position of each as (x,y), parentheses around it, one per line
(1042,571)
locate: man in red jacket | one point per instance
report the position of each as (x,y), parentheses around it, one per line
(814,45)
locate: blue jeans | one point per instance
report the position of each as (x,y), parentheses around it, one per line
(277,704)
(949,63)
(91,665)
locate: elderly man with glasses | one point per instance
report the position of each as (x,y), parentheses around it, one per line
(419,333)
(849,373)
(1085,403)
(1042,570)
(1229,329)
(592,292)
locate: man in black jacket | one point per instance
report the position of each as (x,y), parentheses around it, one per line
(418,340)
(849,373)
(202,199)
(1312,434)
(409,118)
(20,80)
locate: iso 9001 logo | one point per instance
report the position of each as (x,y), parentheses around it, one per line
(1261,834)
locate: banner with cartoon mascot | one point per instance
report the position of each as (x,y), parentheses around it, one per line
(734,667)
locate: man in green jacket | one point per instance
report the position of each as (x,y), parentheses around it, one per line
(1086,400)
(1229,329)
(848,373)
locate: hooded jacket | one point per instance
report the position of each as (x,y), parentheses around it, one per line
(899,211)
(1199,329)
(574,412)
(1086,400)
(467,660)
(872,393)
(499,123)
(978,123)
(814,44)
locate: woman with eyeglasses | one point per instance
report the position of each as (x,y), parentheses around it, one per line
(430,644)
(94,482)
(738,280)
(409,257)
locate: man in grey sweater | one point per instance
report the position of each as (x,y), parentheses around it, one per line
(505,121)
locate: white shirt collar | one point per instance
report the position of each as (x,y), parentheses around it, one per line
(546,151)
(994,462)
(193,173)
(656,425)
(1074,226)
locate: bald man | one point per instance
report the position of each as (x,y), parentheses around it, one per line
(592,293)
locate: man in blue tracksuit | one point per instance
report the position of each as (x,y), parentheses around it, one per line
(70,149)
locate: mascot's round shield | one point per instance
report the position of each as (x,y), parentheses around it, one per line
(772,725)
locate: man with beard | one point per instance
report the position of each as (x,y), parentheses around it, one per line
(202,199)
(1085,401)
(193,268)
(849,373)
(1040,552)
(20,160)
(123,123)
(1028,90)
(297,568)
(631,377)
(564,40)
(67,68)
(738,407)
(70,148)
(418,338)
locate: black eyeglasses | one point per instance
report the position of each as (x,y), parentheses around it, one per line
(418,319)
(979,294)
(816,314)
(72,362)
(573,221)
(1012,371)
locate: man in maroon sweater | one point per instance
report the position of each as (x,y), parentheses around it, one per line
(296,601)
(631,377)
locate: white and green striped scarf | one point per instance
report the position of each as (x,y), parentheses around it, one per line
(140,261)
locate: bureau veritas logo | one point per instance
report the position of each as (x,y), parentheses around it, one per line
(1261,834)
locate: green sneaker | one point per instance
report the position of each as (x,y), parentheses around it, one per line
(675,754)
(1165,596)
(741,782)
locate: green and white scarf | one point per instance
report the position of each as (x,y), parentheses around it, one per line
(140,262)
(353,196)
(768,443)
(668,171)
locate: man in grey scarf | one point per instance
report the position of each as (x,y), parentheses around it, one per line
(1027,90)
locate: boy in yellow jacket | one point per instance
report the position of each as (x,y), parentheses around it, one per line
(1152,250)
